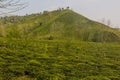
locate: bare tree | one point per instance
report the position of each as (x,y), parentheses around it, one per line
(103,20)
(9,6)
(109,22)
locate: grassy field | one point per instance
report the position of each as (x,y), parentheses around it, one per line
(58,45)
(29,59)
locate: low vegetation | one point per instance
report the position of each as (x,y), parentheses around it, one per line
(58,45)
(58,60)
(60,24)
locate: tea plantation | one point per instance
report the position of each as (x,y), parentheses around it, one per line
(30,59)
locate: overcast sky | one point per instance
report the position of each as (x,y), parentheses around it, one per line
(93,9)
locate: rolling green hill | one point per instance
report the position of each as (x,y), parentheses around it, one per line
(58,45)
(59,24)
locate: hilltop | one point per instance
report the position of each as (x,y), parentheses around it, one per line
(58,45)
(58,24)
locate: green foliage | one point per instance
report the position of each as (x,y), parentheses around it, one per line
(28,59)
(59,24)
(58,45)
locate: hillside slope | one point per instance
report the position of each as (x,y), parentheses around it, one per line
(59,24)
(58,45)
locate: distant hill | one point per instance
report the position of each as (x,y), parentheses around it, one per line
(58,24)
